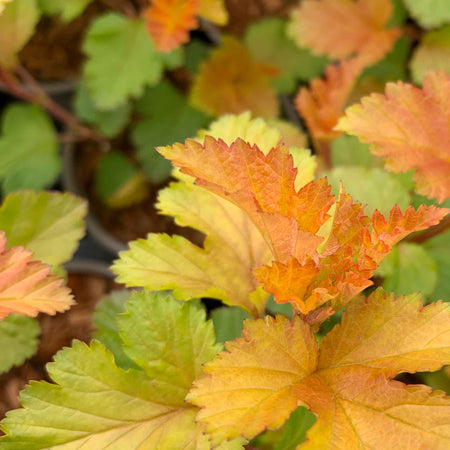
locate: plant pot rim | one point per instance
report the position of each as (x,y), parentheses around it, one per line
(97,231)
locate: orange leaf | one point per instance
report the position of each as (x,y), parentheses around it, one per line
(412,130)
(322,104)
(26,286)
(292,222)
(349,386)
(231,82)
(169,22)
(345,28)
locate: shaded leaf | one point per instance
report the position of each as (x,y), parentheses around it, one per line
(228,322)
(229,81)
(412,131)
(35,162)
(26,286)
(49,224)
(344,28)
(350,151)
(18,340)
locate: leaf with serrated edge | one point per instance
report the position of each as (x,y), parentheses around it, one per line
(26,286)
(429,13)
(347,384)
(95,404)
(344,28)
(412,131)
(50,224)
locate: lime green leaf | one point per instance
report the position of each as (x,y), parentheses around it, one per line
(433,53)
(407,269)
(166,118)
(97,405)
(121,60)
(439,249)
(18,340)
(118,182)
(228,322)
(348,150)
(429,13)
(49,224)
(110,123)
(105,321)
(30,132)
(374,187)
(268,43)
(68,9)
(221,269)
(17,23)
(169,340)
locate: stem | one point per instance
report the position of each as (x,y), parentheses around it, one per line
(32,92)
(323,149)
(423,236)
(124,8)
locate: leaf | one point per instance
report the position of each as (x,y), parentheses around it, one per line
(49,224)
(35,162)
(95,404)
(314,262)
(268,43)
(3,4)
(26,286)
(322,104)
(166,118)
(347,384)
(407,269)
(169,22)
(231,82)
(228,322)
(411,133)
(429,13)
(67,10)
(214,10)
(344,28)
(221,269)
(349,151)
(110,123)
(121,60)
(18,19)
(249,387)
(105,321)
(433,53)
(373,187)
(18,340)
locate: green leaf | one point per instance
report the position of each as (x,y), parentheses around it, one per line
(373,187)
(278,308)
(268,43)
(105,321)
(407,269)
(196,52)
(29,131)
(438,248)
(429,13)
(110,123)
(169,340)
(348,150)
(68,9)
(118,182)
(50,224)
(166,118)
(17,24)
(433,53)
(18,340)
(228,322)
(121,60)
(399,14)
(95,404)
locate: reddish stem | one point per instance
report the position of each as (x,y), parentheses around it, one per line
(423,236)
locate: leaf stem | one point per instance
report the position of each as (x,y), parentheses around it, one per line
(423,236)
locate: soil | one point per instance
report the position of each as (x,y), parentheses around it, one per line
(54,52)
(129,223)
(57,332)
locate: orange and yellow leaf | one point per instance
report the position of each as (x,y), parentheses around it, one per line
(347,382)
(412,131)
(26,286)
(214,11)
(345,28)
(231,82)
(170,21)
